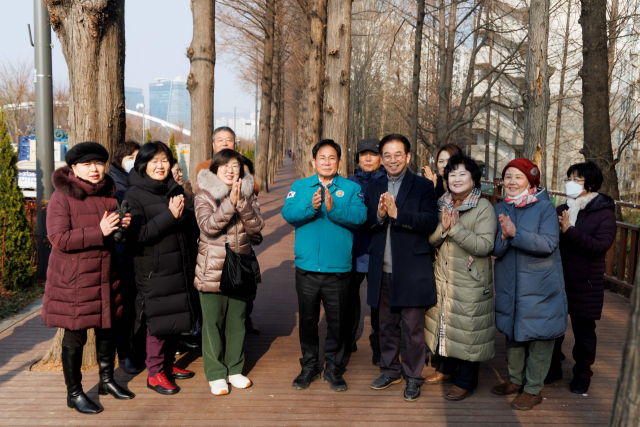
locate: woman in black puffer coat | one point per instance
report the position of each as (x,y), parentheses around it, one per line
(163,239)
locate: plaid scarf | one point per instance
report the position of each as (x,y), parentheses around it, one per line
(471,200)
(522,201)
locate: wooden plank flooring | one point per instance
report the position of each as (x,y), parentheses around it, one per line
(38,398)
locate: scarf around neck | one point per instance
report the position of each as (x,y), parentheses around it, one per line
(471,201)
(577,204)
(523,199)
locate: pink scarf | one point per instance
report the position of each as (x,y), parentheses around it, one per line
(524,200)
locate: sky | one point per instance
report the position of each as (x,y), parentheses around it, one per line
(157,34)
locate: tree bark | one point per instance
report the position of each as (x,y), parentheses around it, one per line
(595,93)
(536,86)
(200,82)
(626,407)
(91,35)
(275,109)
(487,130)
(415,86)
(262,147)
(446,46)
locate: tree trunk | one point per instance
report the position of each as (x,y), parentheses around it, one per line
(313,84)
(91,36)
(415,87)
(536,86)
(614,32)
(262,147)
(275,109)
(626,406)
(563,70)
(595,93)
(487,130)
(200,82)
(52,359)
(338,77)
(446,46)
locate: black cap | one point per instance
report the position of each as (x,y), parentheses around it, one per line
(84,152)
(368,144)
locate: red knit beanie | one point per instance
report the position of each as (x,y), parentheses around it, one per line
(527,167)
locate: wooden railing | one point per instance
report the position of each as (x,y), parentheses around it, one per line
(622,257)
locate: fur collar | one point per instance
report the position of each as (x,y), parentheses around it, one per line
(70,185)
(209,182)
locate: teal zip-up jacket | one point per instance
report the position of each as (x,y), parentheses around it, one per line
(324,239)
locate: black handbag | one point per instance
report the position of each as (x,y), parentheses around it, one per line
(240,272)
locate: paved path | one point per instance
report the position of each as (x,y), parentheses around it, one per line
(38,398)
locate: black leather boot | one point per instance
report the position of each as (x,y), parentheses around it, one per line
(106,354)
(76,399)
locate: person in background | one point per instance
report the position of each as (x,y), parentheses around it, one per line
(441,159)
(588,229)
(226,213)
(178,176)
(324,209)
(163,239)
(130,345)
(402,212)
(82,290)
(369,169)
(461,326)
(531,304)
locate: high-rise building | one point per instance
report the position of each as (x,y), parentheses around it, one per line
(132,97)
(169,100)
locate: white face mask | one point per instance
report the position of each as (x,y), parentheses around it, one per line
(128,165)
(573,189)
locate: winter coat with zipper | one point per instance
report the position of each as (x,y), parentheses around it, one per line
(164,250)
(464,283)
(583,248)
(82,289)
(531,303)
(221,222)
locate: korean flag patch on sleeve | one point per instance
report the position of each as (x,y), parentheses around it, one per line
(291,194)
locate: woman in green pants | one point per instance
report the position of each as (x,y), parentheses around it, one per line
(227,212)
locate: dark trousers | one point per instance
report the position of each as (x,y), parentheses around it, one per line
(467,377)
(584,349)
(332,290)
(412,330)
(131,344)
(250,300)
(161,353)
(355,311)
(79,338)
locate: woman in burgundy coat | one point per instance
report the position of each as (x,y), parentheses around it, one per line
(588,229)
(81,291)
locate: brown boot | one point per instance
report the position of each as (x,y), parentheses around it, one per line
(438,378)
(526,401)
(456,393)
(506,388)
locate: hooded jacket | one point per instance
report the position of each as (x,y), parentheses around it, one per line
(583,248)
(120,178)
(531,303)
(164,251)
(221,222)
(82,289)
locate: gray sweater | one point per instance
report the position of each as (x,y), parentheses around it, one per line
(393,188)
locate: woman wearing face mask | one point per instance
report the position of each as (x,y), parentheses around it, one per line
(442,157)
(227,212)
(82,290)
(531,304)
(163,240)
(588,229)
(124,156)
(461,327)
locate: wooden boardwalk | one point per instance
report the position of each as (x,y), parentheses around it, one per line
(38,398)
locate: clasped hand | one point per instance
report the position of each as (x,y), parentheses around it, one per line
(109,222)
(563,219)
(508,228)
(387,206)
(234,196)
(176,205)
(449,219)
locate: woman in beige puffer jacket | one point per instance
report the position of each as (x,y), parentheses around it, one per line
(226,211)
(461,326)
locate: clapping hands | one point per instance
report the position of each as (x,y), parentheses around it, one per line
(387,206)
(564,221)
(176,205)
(234,196)
(426,172)
(449,219)
(508,228)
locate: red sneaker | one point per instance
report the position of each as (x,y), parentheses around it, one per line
(181,374)
(161,384)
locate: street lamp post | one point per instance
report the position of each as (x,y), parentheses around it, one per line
(141,106)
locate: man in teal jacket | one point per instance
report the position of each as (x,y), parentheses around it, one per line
(324,208)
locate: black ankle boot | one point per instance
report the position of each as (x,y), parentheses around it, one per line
(76,399)
(106,355)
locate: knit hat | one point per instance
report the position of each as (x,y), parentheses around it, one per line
(527,167)
(86,151)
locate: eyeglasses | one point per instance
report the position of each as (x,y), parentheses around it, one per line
(330,160)
(576,180)
(398,156)
(234,166)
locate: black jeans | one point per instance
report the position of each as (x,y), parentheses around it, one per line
(584,349)
(250,300)
(355,311)
(332,289)
(467,378)
(79,338)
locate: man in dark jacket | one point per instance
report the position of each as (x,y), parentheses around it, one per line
(369,170)
(401,213)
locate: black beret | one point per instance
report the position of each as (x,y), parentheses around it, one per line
(86,151)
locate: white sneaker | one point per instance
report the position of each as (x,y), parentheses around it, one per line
(239,381)
(219,387)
